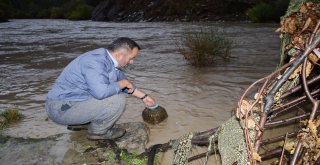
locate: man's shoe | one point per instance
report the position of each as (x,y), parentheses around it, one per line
(111,134)
(78,127)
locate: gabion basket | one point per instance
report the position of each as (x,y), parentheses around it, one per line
(154,115)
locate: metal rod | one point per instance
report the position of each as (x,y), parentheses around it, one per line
(278,138)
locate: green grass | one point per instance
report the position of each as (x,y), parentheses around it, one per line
(130,159)
(204,47)
(11,115)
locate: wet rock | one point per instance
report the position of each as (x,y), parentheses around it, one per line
(72,148)
(33,151)
(3,120)
(3,139)
(136,137)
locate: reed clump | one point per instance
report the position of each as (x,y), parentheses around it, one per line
(204,47)
(9,116)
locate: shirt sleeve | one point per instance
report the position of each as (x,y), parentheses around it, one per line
(122,76)
(96,77)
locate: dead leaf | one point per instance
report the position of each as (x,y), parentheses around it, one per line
(298,41)
(251,123)
(313,128)
(313,58)
(256,156)
(303,8)
(289,24)
(290,146)
(298,71)
(310,5)
(245,106)
(304,122)
(306,24)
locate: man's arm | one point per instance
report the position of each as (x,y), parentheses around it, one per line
(148,100)
(98,83)
(131,89)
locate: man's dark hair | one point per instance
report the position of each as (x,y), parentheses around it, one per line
(123,42)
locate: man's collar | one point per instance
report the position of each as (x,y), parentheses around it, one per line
(115,62)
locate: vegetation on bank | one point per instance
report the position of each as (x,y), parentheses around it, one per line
(204,47)
(267,10)
(54,9)
(131,158)
(187,10)
(9,116)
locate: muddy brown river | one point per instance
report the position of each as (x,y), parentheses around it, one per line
(34,52)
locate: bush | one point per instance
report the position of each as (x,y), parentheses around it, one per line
(12,115)
(3,16)
(9,116)
(82,12)
(56,13)
(262,12)
(266,12)
(6,10)
(203,48)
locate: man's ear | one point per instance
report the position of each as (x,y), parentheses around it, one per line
(117,54)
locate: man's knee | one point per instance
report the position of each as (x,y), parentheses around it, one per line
(116,103)
(121,98)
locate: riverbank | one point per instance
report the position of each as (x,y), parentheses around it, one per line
(73,147)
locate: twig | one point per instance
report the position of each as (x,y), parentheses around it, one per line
(285,141)
(291,104)
(278,138)
(271,154)
(297,88)
(199,156)
(287,121)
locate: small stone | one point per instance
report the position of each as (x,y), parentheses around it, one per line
(3,120)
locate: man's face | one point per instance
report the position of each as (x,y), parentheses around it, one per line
(127,57)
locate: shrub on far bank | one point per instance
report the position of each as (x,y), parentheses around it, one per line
(268,11)
(3,17)
(260,13)
(82,12)
(205,47)
(6,10)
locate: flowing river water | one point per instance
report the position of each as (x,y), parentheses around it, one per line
(34,52)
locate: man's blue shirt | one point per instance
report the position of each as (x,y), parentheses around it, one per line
(91,75)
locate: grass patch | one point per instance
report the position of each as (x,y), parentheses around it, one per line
(204,47)
(130,159)
(9,116)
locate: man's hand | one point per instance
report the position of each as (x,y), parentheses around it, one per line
(126,84)
(149,101)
